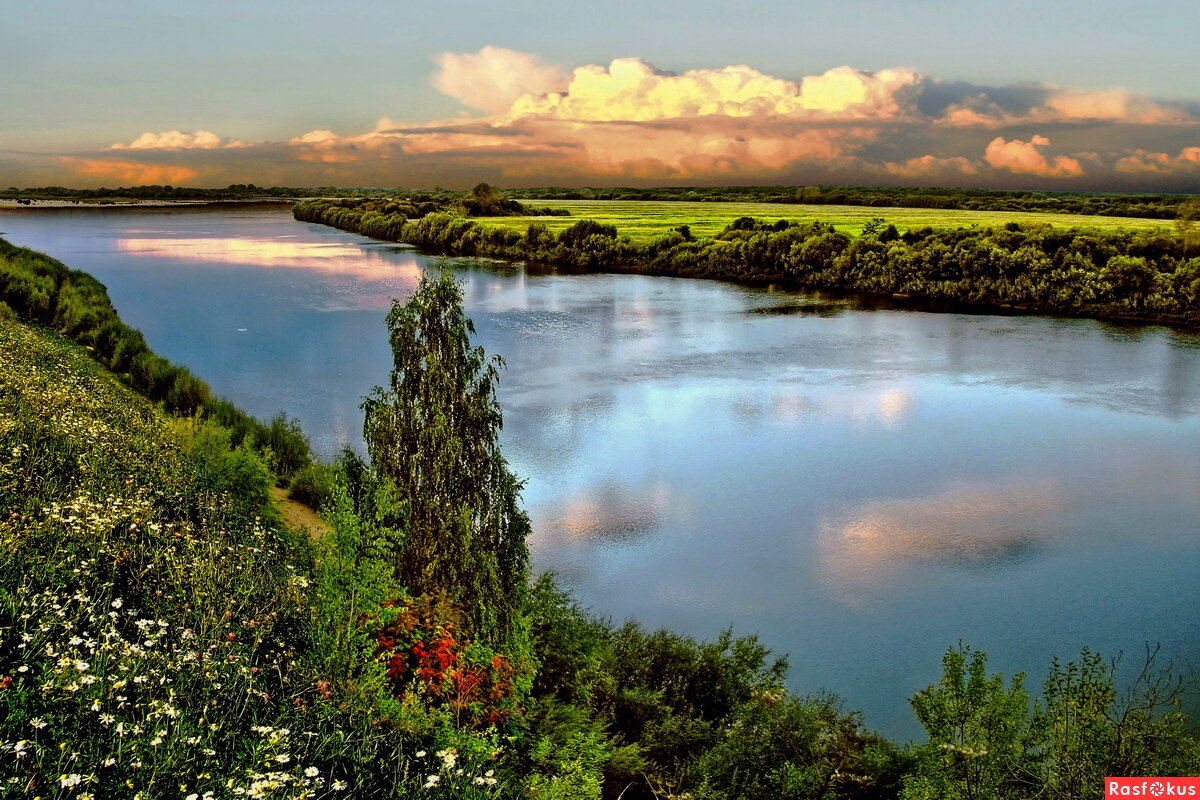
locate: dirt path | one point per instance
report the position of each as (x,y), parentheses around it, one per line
(298,516)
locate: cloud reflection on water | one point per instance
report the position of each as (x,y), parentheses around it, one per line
(340,258)
(964,525)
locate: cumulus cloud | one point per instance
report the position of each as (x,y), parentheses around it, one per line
(129,172)
(631,90)
(1143,161)
(1026,158)
(628,121)
(177,140)
(493,78)
(930,166)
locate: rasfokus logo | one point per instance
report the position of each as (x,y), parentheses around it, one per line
(1152,787)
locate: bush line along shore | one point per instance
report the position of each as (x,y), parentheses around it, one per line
(1148,275)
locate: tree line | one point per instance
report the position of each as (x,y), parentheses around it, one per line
(1146,275)
(1151,206)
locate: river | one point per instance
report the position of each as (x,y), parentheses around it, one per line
(862,488)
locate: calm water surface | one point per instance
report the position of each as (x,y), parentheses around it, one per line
(862,488)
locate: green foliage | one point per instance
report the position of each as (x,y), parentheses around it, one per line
(783,747)
(570,770)
(984,742)
(1085,729)
(977,728)
(315,486)
(435,434)
(285,445)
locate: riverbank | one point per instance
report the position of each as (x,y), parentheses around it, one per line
(1144,275)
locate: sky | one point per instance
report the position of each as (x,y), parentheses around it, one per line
(1065,94)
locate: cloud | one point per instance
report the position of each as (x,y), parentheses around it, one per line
(493,78)
(1142,161)
(129,172)
(631,90)
(629,122)
(177,140)
(1112,105)
(1042,105)
(930,166)
(1026,158)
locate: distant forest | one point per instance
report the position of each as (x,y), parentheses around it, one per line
(1151,206)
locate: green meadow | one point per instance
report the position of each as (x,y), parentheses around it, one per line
(645,220)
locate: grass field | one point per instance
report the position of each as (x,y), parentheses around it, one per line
(644,220)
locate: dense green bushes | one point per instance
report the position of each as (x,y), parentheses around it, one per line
(41,290)
(1145,275)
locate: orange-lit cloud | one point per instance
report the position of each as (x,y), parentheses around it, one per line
(929,166)
(1143,161)
(493,78)
(129,172)
(630,122)
(1056,105)
(1026,158)
(1112,105)
(177,140)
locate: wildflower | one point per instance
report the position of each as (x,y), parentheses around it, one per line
(82,666)
(118,603)
(283,758)
(432,781)
(311,772)
(338,786)
(421,754)
(38,723)
(70,781)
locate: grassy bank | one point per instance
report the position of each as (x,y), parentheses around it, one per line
(645,220)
